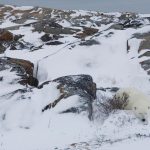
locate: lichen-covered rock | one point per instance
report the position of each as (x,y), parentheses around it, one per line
(81,85)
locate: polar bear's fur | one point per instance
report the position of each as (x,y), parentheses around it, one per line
(137,101)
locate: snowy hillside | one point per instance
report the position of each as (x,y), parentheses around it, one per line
(74,51)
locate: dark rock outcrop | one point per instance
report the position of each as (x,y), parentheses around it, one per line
(145,64)
(46,38)
(13,42)
(51,27)
(54,43)
(144,48)
(89,42)
(127,20)
(81,85)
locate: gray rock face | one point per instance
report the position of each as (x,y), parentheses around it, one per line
(145,43)
(51,27)
(143,48)
(117,26)
(5,35)
(81,85)
(46,38)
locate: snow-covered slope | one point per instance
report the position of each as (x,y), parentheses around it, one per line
(61,43)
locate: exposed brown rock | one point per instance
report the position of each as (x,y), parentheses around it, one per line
(6,35)
(87,32)
(22,67)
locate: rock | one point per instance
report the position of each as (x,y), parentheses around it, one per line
(1,78)
(127,16)
(54,43)
(146,54)
(56,37)
(89,42)
(144,46)
(2,48)
(145,43)
(132,24)
(81,85)
(145,64)
(87,32)
(71,110)
(108,89)
(117,27)
(46,38)
(23,68)
(51,27)
(13,42)
(17,37)
(6,35)
(127,20)
(45,23)
(19,45)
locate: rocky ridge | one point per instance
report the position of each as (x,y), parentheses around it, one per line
(30,38)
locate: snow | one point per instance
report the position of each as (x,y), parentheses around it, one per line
(23,125)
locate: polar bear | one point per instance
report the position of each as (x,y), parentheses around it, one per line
(136,101)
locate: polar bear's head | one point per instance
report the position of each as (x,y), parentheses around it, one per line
(142,112)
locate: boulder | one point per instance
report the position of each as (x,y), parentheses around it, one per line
(86,32)
(145,64)
(23,68)
(2,48)
(145,41)
(126,24)
(118,26)
(54,43)
(6,36)
(127,16)
(89,42)
(46,38)
(51,27)
(81,85)
(146,54)
(144,46)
